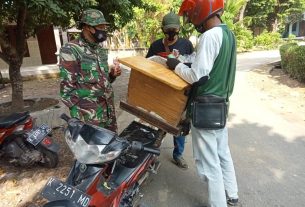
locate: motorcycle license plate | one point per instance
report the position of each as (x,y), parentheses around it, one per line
(58,190)
(35,136)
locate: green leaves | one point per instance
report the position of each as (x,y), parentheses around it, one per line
(272,14)
(234,6)
(146,24)
(268,40)
(120,12)
(293,60)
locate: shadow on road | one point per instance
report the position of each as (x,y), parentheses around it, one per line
(270,167)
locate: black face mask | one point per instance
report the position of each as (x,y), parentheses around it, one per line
(100,35)
(171,35)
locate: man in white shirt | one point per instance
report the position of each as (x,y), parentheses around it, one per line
(214,66)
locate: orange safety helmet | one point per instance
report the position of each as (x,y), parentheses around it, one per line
(198,11)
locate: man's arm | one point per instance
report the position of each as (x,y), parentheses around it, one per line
(150,52)
(207,52)
(69,67)
(155,48)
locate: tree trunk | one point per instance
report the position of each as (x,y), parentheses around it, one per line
(272,24)
(17,86)
(16,62)
(242,12)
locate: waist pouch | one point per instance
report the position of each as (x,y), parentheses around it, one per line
(209,112)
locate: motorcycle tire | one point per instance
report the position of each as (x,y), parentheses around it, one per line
(51,159)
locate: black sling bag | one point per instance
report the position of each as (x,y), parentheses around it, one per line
(209,111)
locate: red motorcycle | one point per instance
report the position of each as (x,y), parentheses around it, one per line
(109,169)
(25,145)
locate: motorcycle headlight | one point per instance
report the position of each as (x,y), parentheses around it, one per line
(110,156)
(91,154)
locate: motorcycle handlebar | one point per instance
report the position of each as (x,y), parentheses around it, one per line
(135,145)
(151,150)
(65,117)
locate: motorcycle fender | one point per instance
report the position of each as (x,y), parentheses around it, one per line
(79,171)
(49,144)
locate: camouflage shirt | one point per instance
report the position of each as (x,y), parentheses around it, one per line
(86,83)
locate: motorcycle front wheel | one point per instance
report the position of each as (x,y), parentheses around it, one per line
(50,159)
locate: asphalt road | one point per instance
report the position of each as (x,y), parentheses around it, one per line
(267,148)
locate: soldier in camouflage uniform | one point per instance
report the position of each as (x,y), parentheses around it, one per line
(85,75)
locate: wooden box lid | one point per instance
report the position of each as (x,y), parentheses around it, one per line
(155,70)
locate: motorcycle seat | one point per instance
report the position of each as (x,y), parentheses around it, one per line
(136,131)
(8,121)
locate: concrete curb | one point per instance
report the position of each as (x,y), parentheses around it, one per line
(51,116)
(39,72)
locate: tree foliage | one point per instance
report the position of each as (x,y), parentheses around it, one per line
(146,25)
(231,12)
(30,15)
(272,14)
(230,17)
(120,12)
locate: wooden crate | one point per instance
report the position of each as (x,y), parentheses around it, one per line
(156,89)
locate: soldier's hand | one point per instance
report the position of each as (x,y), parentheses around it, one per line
(115,71)
(115,68)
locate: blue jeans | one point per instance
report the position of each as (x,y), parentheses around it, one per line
(179,146)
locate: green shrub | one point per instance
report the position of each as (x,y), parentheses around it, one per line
(268,40)
(244,37)
(296,66)
(291,39)
(228,18)
(285,54)
(293,60)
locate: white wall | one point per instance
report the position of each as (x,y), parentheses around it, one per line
(34,58)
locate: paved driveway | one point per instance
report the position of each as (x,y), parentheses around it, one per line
(267,148)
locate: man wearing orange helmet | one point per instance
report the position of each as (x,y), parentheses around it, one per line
(212,73)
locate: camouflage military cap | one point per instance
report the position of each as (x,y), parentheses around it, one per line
(93,17)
